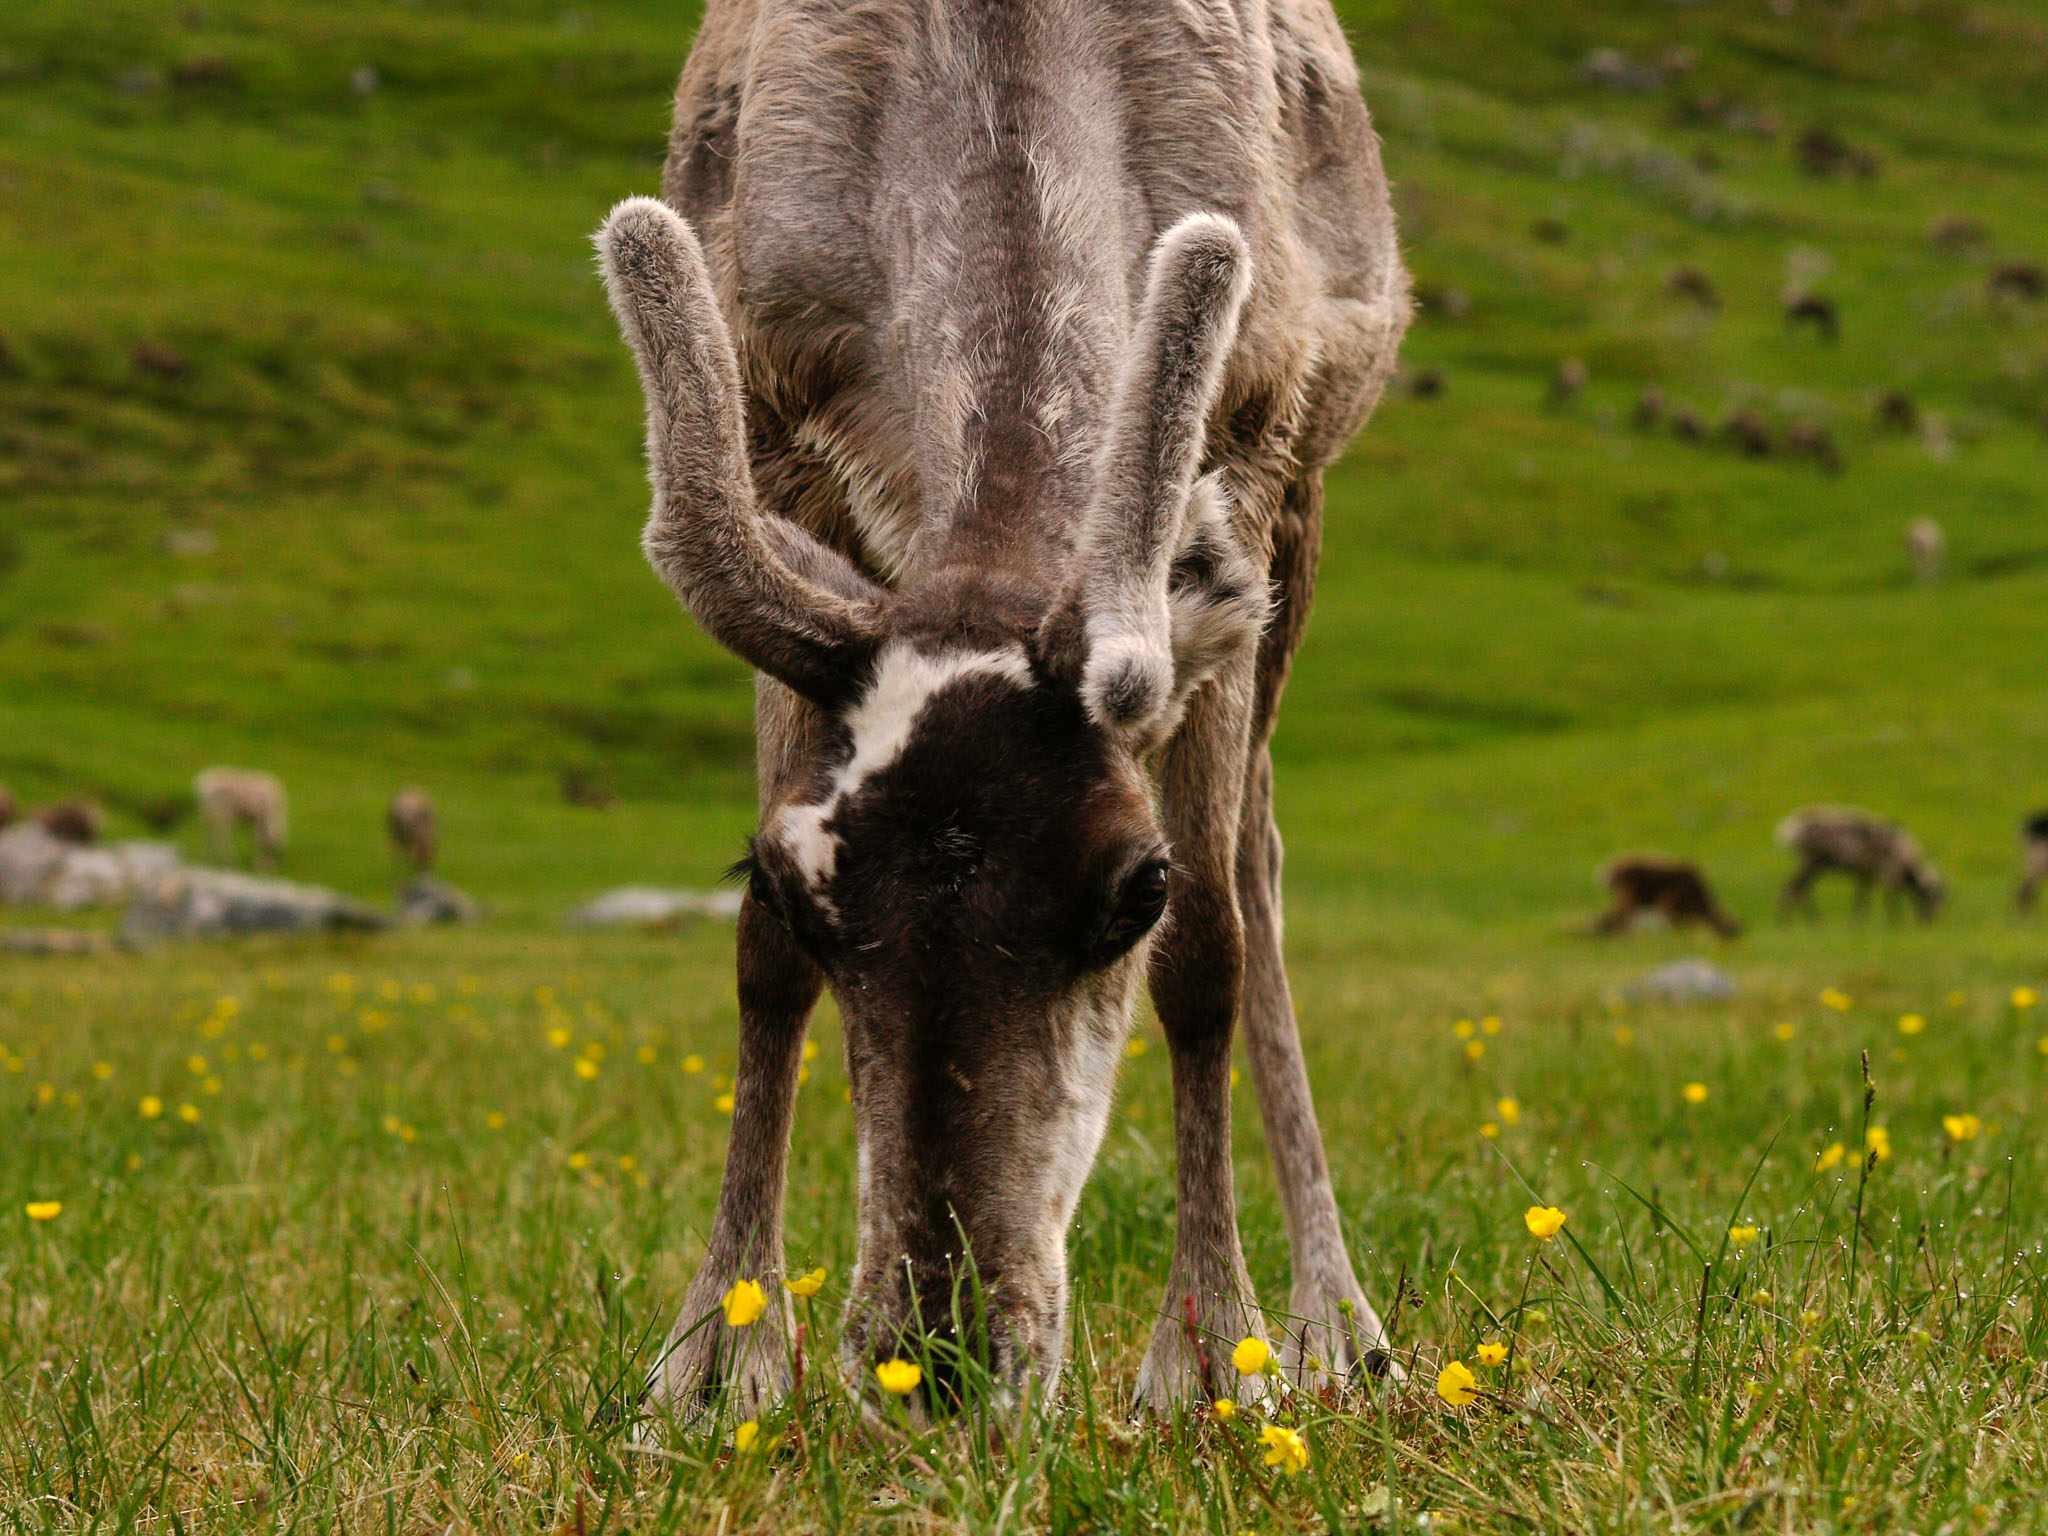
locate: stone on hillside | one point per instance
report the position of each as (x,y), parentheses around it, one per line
(649,906)
(426,900)
(203,903)
(1685,981)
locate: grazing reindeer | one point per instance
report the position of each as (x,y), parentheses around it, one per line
(988,423)
(233,798)
(1927,544)
(414,828)
(1645,882)
(2034,846)
(1868,849)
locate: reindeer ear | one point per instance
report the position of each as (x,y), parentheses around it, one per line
(1218,597)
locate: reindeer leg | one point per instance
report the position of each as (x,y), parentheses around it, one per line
(1331,1329)
(778,987)
(1197,971)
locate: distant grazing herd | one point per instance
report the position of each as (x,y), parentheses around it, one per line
(1875,854)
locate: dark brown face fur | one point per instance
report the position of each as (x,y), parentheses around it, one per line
(975,867)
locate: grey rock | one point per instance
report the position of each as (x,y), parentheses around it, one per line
(426,900)
(649,906)
(1683,981)
(200,903)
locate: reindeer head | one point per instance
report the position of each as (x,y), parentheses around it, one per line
(973,856)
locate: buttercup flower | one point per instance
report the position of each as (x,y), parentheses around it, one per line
(1223,1408)
(2025,997)
(1463,1029)
(1510,1111)
(1543,1221)
(1250,1356)
(1878,1143)
(693,1064)
(1284,1448)
(586,1068)
(1784,1031)
(1474,1049)
(1832,1154)
(1490,1024)
(1742,1236)
(806,1285)
(1489,1130)
(1911,1024)
(45,1210)
(150,1107)
(899,1377)
(723,1103)
(1694,1093)
(1456,1384)
(744,1437)
(1835,998)
(1962,1127)
(745,1302)
(1491,1354)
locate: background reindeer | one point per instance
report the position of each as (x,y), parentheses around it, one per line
(1868,849)
(1644,883)
(413,827)
(233,798)
(2034,852)
(1039,435)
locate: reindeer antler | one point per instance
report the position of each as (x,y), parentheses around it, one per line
(1195,289)
(759,585)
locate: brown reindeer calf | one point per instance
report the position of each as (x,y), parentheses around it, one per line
(1646,882)
(2034,839)
(414,828)
(1868,849)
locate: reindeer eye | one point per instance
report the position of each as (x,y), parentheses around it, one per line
(1138,908)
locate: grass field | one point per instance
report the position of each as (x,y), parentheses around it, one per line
(384,414)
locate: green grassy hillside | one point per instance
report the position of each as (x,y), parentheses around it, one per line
(356,237)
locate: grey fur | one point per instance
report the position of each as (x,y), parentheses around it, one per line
(1032,327)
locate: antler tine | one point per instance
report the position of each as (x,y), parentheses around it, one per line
(1200,273)
(747,579)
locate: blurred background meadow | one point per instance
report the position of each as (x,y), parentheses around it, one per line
(319,454)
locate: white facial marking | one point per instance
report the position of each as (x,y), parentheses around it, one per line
(906,681)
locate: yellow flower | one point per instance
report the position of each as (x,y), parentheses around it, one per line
(391,1125)
(1742,1236)
(1832,1154)
(1962,1127)
(810,1050)
(1223,1408)
(103,1070)
(1456,1384)
(1784,1031)
(899,1378)
(1624,1036)
(189,1113)
(1134,1047)
(693,1064)
(1284,1448)
(1835,998)
(258,1051)
(1490,1024)
(586,1068)
(1760,1298)
(1463,1029)
(559,1037)
(628,1162)
(745,1302)
(2025,997)
(1911,1024)
(495,1120)
(1474,1049)
(196,1065)
(150,1107)
(1251,1355)
(723,1103)
(1809,1319)
(1543,1221)
(579,1161)
(1878,1143)
(1694,1093)
(743,1438)
(45,1210)
(807,1285)
(1492,1354)
(645,1055)
(1490,1131)
(1510,1112)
